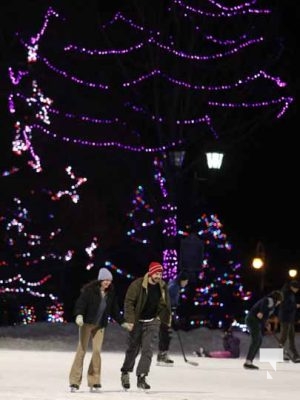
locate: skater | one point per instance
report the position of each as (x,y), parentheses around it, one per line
(146,305)
(256,321)
(96,302)
(231,346)
(165,331)
(287,316)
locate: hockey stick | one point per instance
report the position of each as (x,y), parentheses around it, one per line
(194,363)
(285,353)
(275,337)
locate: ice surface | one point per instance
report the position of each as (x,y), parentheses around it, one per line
(35,362)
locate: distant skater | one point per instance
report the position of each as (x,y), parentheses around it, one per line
(287,318)
(231,345)
(165,331)
(256,321)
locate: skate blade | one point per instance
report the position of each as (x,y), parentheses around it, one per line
(163,364)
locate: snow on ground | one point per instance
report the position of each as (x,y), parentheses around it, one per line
(35,362)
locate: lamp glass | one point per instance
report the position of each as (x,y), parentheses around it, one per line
(177,157)
(257,263)
(214,160)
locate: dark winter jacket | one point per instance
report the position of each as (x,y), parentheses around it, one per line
(136,297)
(231,343)
(266,306)
(174,292)
(88,304)
(288,307)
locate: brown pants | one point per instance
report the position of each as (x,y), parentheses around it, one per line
(94,370)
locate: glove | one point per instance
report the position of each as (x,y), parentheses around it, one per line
(79,320)
(128,326)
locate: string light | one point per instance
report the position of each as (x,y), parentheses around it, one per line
(226,12)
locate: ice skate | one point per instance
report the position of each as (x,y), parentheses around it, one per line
(142,384)
(295,358)
(250,366)
(74,388)
(286,356)
(125,380)
(95,388)
(163,360)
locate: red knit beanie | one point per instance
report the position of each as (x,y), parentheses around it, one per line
(154,267)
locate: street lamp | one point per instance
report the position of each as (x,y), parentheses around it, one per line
(293,273)
(177,157)
(176,169)
(257,263)
(214,160)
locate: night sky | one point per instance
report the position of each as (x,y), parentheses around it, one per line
(256,195)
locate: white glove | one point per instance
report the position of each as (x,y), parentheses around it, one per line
(127,326)
(79,320)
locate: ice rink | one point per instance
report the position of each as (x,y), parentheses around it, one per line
(35,362)
(43,375)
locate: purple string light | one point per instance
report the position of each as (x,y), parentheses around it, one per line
(241,9)
(122,146)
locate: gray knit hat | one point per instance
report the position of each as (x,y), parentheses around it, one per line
(104,274)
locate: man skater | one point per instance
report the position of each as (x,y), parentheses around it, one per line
(146,305)
(256,321)
(287,318)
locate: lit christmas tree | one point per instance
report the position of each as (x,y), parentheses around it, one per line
(34,252)
(216,295)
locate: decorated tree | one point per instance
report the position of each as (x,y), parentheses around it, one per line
(35,251)
(216,295)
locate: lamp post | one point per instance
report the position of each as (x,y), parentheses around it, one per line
(183,177)
(176,170)
(259,264)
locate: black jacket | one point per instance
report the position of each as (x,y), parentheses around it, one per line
(288,307)
(88,303)
(266,306)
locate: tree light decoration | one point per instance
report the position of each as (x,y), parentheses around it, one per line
(219,292)
(73,194)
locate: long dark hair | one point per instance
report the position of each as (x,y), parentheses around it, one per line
(276,295)
(97,283)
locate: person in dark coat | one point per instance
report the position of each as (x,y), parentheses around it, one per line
(256,321)
(165,331)
(231,345)
(287,316)
(95,304)
(146,306)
